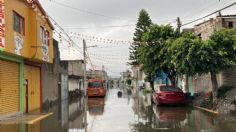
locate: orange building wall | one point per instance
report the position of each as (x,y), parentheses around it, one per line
(33,21)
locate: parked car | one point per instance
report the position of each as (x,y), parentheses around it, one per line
(168,95)
(96,88)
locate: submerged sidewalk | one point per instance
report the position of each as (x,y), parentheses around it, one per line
(29,118)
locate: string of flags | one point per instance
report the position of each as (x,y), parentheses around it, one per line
(81,36)
(75,35)
(61,33)
(98,39)
(68,37)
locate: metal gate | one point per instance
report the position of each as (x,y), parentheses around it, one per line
(9,87)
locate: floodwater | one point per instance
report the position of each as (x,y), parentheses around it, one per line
(129,113)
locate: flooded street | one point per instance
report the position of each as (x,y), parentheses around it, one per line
(129,113)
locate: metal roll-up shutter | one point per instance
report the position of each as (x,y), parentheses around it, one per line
(9,87)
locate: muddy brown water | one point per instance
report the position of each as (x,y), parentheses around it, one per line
(129,113)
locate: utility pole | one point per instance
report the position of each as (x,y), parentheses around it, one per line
(178,24)
(85,88)
(84,50)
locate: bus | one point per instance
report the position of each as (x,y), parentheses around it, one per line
(96,88)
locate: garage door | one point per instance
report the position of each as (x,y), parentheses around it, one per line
(9,87)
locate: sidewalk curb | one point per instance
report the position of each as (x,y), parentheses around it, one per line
(11,116)
(207,110)
(40,118)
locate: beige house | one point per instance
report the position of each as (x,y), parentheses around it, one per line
(206,28)
(202,83)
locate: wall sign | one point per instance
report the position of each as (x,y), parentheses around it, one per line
(44,38)
(45,52)
(2,25)
(19,41)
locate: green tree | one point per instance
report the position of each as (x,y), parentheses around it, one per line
(184,53)
(145,57)
(153,53)
(143,23)
(219,53)
(192,56)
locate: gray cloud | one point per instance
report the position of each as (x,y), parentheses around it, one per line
(123,12)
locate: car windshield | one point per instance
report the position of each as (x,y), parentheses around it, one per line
(170,89)
(94,84)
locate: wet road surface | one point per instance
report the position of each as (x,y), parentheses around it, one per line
(129,113)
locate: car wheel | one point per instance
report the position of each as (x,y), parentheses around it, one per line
(152,99)
(183,105)
(157,103)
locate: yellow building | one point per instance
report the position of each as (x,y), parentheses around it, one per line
(25,43)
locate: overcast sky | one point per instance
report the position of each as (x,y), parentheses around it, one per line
(98,17)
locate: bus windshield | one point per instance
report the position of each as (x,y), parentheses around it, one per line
(94,84)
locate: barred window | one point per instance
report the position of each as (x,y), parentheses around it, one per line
(44,36)
(18,23)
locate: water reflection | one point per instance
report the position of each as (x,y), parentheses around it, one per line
(129,113)
(96,106)
(171,114)
(77,115)
(177,119)
(171,118)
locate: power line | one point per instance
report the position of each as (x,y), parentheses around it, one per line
(82,10)
(78,48)
(189,14)
(70,40)
(209,14)
(101,15)
(112,26)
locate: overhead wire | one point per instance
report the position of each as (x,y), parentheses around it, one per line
(85,11)
(112,26)
(82,10)
(201,9)
(209,14)
(70,40)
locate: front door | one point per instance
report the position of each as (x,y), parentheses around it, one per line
(32,88)
(26,95)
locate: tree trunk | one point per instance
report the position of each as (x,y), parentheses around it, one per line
(152,84)
(186,84)
(172,80)
(214,88)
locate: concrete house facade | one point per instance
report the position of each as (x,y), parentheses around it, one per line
(54,79)
(75,74)
(24,46)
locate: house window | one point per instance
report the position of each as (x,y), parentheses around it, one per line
(230,24)
(18,23)
(41,34)
(200,35)
(44,36)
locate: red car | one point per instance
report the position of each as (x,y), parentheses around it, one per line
(169,95)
